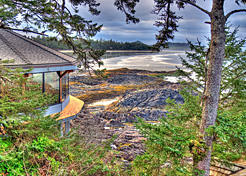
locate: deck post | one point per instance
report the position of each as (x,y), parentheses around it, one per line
(61,128)
(67,127)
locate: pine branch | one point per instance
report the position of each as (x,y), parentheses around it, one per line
(23,30)
(233,12)
(195,5)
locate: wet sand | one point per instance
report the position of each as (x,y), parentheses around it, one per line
(163,61)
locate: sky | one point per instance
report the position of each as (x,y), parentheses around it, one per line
(191,27)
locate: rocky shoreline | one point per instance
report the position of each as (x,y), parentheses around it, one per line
(129,94)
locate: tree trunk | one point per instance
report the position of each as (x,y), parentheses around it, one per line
(211,97)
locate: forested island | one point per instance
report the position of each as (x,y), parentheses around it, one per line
(107,44)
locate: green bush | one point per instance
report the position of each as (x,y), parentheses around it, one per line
(174,146)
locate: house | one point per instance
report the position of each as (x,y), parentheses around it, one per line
(49,68)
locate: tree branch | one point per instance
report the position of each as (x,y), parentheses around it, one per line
(234,11)
(195,5)
(23,30)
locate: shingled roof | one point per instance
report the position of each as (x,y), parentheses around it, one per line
(28,53)
(234,169)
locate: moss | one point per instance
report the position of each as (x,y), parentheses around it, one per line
(153,122)
(103,85)
(129,124)
(106,92)
(161,75)
(123,88)
(92,96)
(74,83)
(124,145)
(119,71)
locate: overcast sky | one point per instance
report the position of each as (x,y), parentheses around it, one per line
(191,27)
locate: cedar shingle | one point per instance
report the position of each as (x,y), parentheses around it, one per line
(28,52)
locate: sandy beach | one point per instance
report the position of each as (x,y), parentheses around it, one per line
(162,61)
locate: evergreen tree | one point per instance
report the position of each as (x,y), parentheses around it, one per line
(174,146)
(168,22)
(233,78)
(177,139)
(55,17)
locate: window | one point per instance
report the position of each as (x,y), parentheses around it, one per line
(36,81)
(49,84)
(52,86)
(65,86)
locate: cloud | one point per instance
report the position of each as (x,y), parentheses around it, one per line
(191,27)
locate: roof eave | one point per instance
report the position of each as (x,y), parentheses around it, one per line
(40,68)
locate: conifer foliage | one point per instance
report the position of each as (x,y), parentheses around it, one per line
(61,17)
(30,143)
(175,146)
(233,81)
(55,17)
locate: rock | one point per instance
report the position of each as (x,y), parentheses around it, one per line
(86,80)
(166,165)
(97,124)
(131,79)
(153,98)
(115,123)
(113,146)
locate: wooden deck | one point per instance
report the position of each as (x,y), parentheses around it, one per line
(74,107)
(69,113)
